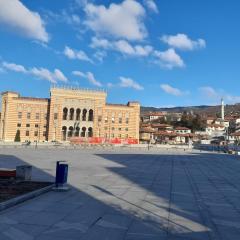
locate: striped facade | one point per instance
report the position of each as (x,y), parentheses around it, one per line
(66,114)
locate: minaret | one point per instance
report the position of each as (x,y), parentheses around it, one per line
(222,109)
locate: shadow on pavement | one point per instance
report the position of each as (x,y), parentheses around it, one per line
(142,196)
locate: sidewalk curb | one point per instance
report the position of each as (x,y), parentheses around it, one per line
(12,202)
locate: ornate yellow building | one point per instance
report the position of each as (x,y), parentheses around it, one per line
(68,113)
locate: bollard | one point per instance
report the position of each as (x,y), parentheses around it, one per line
(61,176)
(24,172)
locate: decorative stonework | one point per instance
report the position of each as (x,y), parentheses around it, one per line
(101,119)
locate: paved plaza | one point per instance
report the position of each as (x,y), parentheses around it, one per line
(128,195)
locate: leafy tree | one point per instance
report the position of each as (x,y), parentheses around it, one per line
(17,136)
(197,123)
(194,122)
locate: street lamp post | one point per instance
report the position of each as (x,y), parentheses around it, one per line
(38,133)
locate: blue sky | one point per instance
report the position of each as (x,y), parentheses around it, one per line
(161,53)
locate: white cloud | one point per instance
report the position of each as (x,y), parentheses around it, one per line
(18,18)
(100,55)
(79,74)
(122,46)
(143,50)
(183,42)
(110,85)
(59,76)
(92,79)
(215,95)
(151,5)
(81,3)
(76,54)
(124,20)
(72,19)
(75,19)
(100,43)
(45,74)
(89,76)
(63,17)
(69,53)
(169,59)
(171,90)
(14,67)
(125,48)
(232,99)
(41,73)
(129,83)
(209,92)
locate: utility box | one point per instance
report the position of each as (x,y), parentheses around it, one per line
(61,173)
(24,172)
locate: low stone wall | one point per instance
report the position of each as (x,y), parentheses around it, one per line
(87,145)
(216,148)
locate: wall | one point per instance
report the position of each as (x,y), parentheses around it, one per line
(12,106)
(51,121)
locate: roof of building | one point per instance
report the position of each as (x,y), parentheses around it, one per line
(173,134)
(157,114)
(215,125)
(32,99)
(145,124)
(147,130)
(119,105)
(134,102)
(9,92)
(229,118)
(186,135)
(74,88)
(161,125)
(182,128)
(115,104)
(164,133)
(232,118)
(235,134)
(210,118)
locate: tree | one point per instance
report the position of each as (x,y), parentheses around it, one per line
(17,136)
(198,123)
(194,122)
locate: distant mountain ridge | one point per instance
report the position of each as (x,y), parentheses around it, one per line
(202,109)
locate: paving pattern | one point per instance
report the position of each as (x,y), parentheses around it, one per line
(128,195)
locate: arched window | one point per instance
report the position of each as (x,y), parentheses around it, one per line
(90,115)
(84,114)
(71,114)
(65,113)
(90,132)
(83,133)
(76,134)
(78,111)
(70,132)
(64,133)
(120,118)
(127,118)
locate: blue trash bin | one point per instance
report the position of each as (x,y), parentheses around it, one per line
(61,173)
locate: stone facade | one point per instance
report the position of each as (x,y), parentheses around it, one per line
(67,113)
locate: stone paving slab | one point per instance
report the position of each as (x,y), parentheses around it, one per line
(128,195)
